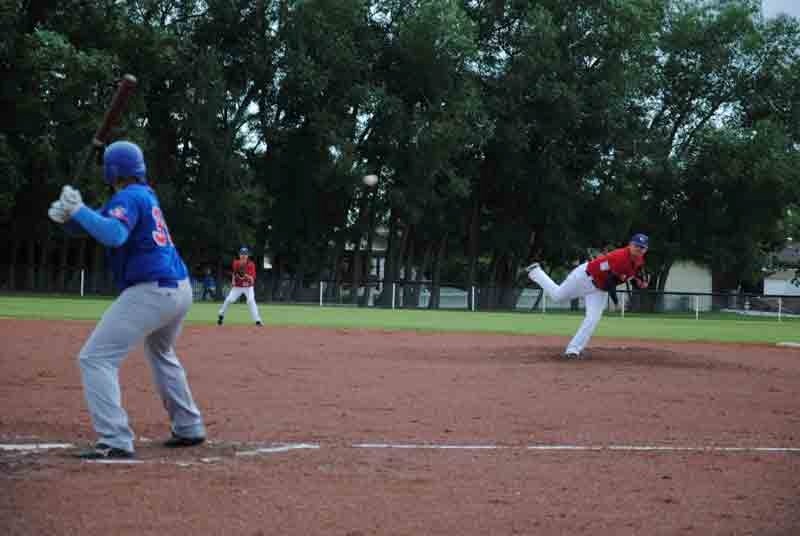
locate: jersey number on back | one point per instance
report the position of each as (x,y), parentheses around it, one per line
(161,234)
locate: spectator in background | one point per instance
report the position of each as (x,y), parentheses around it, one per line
(209,285)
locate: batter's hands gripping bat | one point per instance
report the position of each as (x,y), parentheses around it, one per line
(112,117)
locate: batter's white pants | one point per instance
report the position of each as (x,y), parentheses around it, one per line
(154,314)
(234,295)
(578,284)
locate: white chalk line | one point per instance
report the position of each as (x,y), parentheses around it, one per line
(594,448)
(30,447)
(278,448)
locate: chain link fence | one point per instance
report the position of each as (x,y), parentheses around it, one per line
(413,295)
(423,295)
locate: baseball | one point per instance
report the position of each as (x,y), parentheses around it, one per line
(370,180)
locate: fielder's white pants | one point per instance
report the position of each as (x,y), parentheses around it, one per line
(234,295)
(578,284)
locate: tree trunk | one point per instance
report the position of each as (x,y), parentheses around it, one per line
(368,261)
(338,276)
(423,269)
(489,301)
(510,289)
(410,290)
(61,283)
(436,280)
(398,252)
(355,273)
(45,279)
(473,246)
(390,269)
(297,285)
(30,265)
(97,275)
(12,266)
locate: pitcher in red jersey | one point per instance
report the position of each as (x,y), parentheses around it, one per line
(593,281)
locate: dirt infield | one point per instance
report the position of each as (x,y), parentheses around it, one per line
(355,432)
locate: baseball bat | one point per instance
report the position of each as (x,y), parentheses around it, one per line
(111,118)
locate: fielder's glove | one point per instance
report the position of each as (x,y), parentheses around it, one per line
(71,200)
(57,212)
(641,280)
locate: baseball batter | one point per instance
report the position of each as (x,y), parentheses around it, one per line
(595,281)
(243,280)
(154,299)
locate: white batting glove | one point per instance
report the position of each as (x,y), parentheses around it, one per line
(57,212)
(71,200)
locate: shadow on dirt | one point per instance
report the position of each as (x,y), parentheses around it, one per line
(633,356)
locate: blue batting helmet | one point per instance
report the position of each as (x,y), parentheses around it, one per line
(244,250)
(123,159)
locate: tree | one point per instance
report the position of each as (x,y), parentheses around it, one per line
(739,186)
(710,59)
(558,78)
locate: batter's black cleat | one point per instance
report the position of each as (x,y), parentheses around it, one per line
(220,318)
(179,442)
(101,451)
(259,323)
(572,356)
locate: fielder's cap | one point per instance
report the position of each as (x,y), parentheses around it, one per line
(244,251)
(640,240)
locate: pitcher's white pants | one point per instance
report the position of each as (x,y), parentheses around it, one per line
(578,284)
(234,295)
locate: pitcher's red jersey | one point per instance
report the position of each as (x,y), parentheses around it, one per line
(620,262)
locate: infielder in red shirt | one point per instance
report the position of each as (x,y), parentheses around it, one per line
(593,281)
(242,282)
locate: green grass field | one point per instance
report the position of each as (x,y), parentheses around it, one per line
(711,327)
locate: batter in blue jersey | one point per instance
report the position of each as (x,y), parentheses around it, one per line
(154,299)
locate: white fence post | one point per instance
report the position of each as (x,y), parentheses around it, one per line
(544,302)
(696,307)
(473,298)
(622,299)
(320,293)
(394,293)
(780,308)
(82,279)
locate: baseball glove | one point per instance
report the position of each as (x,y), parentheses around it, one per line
(641,279)
(611,287)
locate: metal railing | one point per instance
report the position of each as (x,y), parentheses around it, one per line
(403,294)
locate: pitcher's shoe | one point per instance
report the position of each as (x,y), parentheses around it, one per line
(101,451)
(573,356)
(526,272)
(220,319)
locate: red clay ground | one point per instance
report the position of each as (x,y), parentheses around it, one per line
(337,388)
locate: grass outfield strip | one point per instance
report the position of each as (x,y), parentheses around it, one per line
(711,327)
